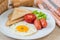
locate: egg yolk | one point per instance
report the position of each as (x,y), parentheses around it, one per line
(22,28)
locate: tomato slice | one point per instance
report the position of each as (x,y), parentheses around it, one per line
(29,18)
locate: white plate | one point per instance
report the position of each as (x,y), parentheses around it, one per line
(41,33)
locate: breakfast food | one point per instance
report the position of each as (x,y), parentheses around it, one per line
(40,14)
(9,22)
(16,16)
(43,22)
(37,24)
(24,22)
(3,5)
(40,20)
(23,29)
(18,13)
(9,16)
(29,18)
(17,3)
(1,1)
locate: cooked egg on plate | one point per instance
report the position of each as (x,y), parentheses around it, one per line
(23,28)
(16,31)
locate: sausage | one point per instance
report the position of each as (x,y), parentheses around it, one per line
(37,24)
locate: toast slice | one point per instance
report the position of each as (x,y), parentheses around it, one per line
(9,22)
(9,16)
(16,16)
(17,3)
(19,12)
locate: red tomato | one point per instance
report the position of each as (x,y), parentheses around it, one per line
(43,22)
(37,24)
(29,18)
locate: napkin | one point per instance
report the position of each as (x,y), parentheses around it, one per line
(52,6)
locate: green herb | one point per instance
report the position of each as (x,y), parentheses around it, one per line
(39,15)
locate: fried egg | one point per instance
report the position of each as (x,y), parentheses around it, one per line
(23,29)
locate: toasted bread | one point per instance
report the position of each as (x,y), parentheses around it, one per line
(18,13)
(16,16)
(17,3)
(9,16)
(9,22)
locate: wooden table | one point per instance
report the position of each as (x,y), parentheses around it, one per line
(55,35)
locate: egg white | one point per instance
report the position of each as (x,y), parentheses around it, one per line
(31,30)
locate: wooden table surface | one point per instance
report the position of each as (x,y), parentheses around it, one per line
(55,35)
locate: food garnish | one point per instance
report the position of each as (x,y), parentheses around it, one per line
(39,15)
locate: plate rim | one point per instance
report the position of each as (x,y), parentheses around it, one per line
(32,38)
